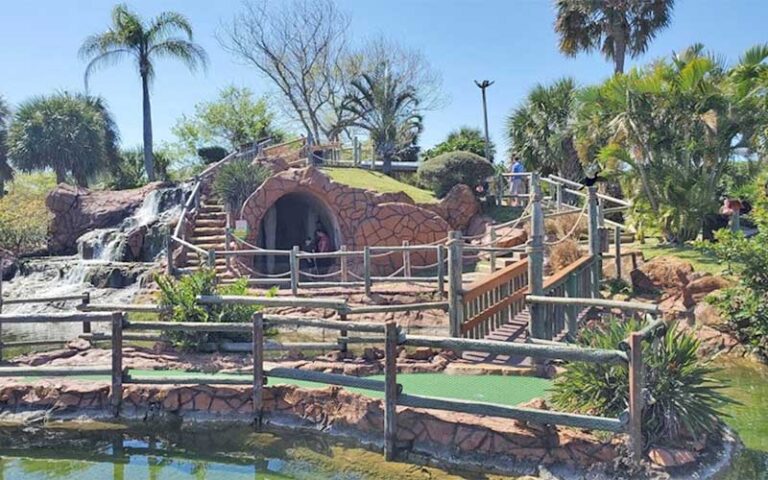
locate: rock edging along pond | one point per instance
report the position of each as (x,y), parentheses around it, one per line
(489,444)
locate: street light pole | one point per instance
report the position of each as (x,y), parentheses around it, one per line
(483,85)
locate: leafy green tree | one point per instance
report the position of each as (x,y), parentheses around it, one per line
(540,131)
(235,118)
(615,27)
(169,35)
(6,171)
(465,139)
(69,133)
(386,108)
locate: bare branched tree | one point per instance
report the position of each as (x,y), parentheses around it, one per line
(299,45)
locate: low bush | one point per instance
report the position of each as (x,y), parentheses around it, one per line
(211,154)
(447,170)
(563,226)
(237,180)
(181,297)
(685,401)
(745,311)
(563,254)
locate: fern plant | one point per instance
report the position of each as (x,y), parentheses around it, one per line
(685,400)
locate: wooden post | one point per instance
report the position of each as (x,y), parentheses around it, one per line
(212,259)
(540,326)
(571,311)
(295,271)
(355,151)
(117,363)
(343,333)
(86,301)
(493,252)
(344,264)
(406,260)
(636,386)
(594,242)
(390,390)
(167,244)
(258,368)
(227,237)
(559,196)
(455,267)
(367,269)
(441,270)
(617,251)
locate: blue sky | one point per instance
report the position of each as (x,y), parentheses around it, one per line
(508,41)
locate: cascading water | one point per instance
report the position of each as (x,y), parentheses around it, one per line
(100,268)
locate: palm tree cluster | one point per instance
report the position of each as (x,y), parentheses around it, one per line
(670,131)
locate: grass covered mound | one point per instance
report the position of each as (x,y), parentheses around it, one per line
(377,182)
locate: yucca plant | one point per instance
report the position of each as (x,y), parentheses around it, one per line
(685,400)
(236,181)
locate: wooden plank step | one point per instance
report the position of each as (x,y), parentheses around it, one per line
(210,223)
(207,239)
(211,209)
(212,215)
(202,231)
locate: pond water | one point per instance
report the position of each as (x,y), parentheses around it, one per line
(748,386)
(118,452)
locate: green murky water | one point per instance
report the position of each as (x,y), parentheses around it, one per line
(749,386)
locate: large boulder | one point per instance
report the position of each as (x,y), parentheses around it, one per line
(701,285)
(457,207)
(78,210)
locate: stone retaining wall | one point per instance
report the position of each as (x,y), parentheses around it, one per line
(454,437)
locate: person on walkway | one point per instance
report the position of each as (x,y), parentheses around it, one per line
(323,244)
(516,182)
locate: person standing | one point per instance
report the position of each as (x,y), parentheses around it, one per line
(516,183)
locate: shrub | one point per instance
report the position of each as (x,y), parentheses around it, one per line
(181,297)
(236,181)
(211,154)
(563,254)
(746,313)
(566,225)
(685,400)
(450,169)
(129,171)
(23,215)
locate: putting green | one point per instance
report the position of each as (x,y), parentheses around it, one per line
(498,389)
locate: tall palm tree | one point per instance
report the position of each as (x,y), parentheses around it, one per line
(615,27)
(167,35)
(6,172)
(388,110)
(540,131)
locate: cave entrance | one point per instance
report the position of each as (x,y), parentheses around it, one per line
(292,221)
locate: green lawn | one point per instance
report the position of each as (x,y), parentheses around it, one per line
(701,261)
(378,182)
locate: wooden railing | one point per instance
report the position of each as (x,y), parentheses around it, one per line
(575,280)
(495,300)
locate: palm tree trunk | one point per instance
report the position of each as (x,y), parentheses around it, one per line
(619,53)
(149,160)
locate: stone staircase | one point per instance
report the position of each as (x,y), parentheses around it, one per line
(209,233)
